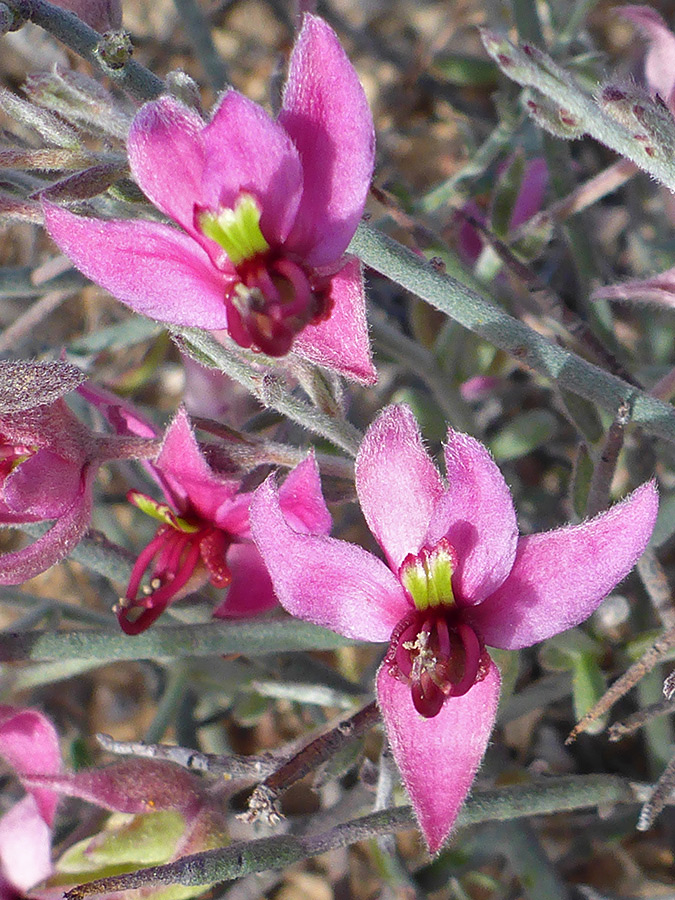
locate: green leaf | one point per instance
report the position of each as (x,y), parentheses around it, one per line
(523,434)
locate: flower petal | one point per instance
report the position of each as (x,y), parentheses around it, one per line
(658,289)
(166,156)
(25,849)
(247,151)
(531,195)
(251,591)
(326,113)
(302,501)
(157,270)
(476,515)
(397,483)
(341,341)
(30,744)
(68,530)
(323,580)
(659,63)
(43,486)
(559,578)
(438,758)
(185,473)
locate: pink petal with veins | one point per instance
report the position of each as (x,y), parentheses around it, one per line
(397,483)
(438,758)
(560,577)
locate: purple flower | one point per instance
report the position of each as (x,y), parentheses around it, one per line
(48,461)
(457,578)
(267,209)
(205,533)
(101,15)
(659,64)
(29,743)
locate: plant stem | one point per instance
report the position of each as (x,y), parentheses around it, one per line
(199,32)
(83,40)
(472,310)
(550,795)
(268,389)
(169,642)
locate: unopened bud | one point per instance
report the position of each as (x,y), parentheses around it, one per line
(115,49)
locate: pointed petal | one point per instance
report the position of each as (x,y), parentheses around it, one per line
(323,580)
(166,156)
(30,744)
(438,758)
(247,151)
(302,501)
(397,483)
(658,289)
(251,591)
(157,270)
(25,849)
(476,515)
(341,342)
(68,530)
(660,59)
(559,578)
(43,486)
(188,475)
(326,113)
(130,786)
(531,195)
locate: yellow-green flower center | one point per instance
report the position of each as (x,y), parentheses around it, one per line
(236,230)
(427,576)
(161,511)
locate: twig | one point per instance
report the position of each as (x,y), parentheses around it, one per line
(659,798)
(83,40)
(657,587)
(199,32)
(629,679)
(621,729)
(229,767)
(604,469)
(540,798)
(264,801)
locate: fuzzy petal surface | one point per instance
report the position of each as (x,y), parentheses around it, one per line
(531,195)
(341,341)
(658,289)
(187,473)
(247,151)
(560,577)
(157,270)
(251,591)
(477,516)
(326,113)
(166,156)
(323,580)
(25,849)
(302,501)
(397,483)
(438,758)
(44,486)
(68,530)
(660,60)
(30,744)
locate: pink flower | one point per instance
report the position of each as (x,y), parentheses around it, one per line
(527,204)
(101,15)
(267,209)
(205,533)
(48,461)
(659,64)
(457,578)
(29,743)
